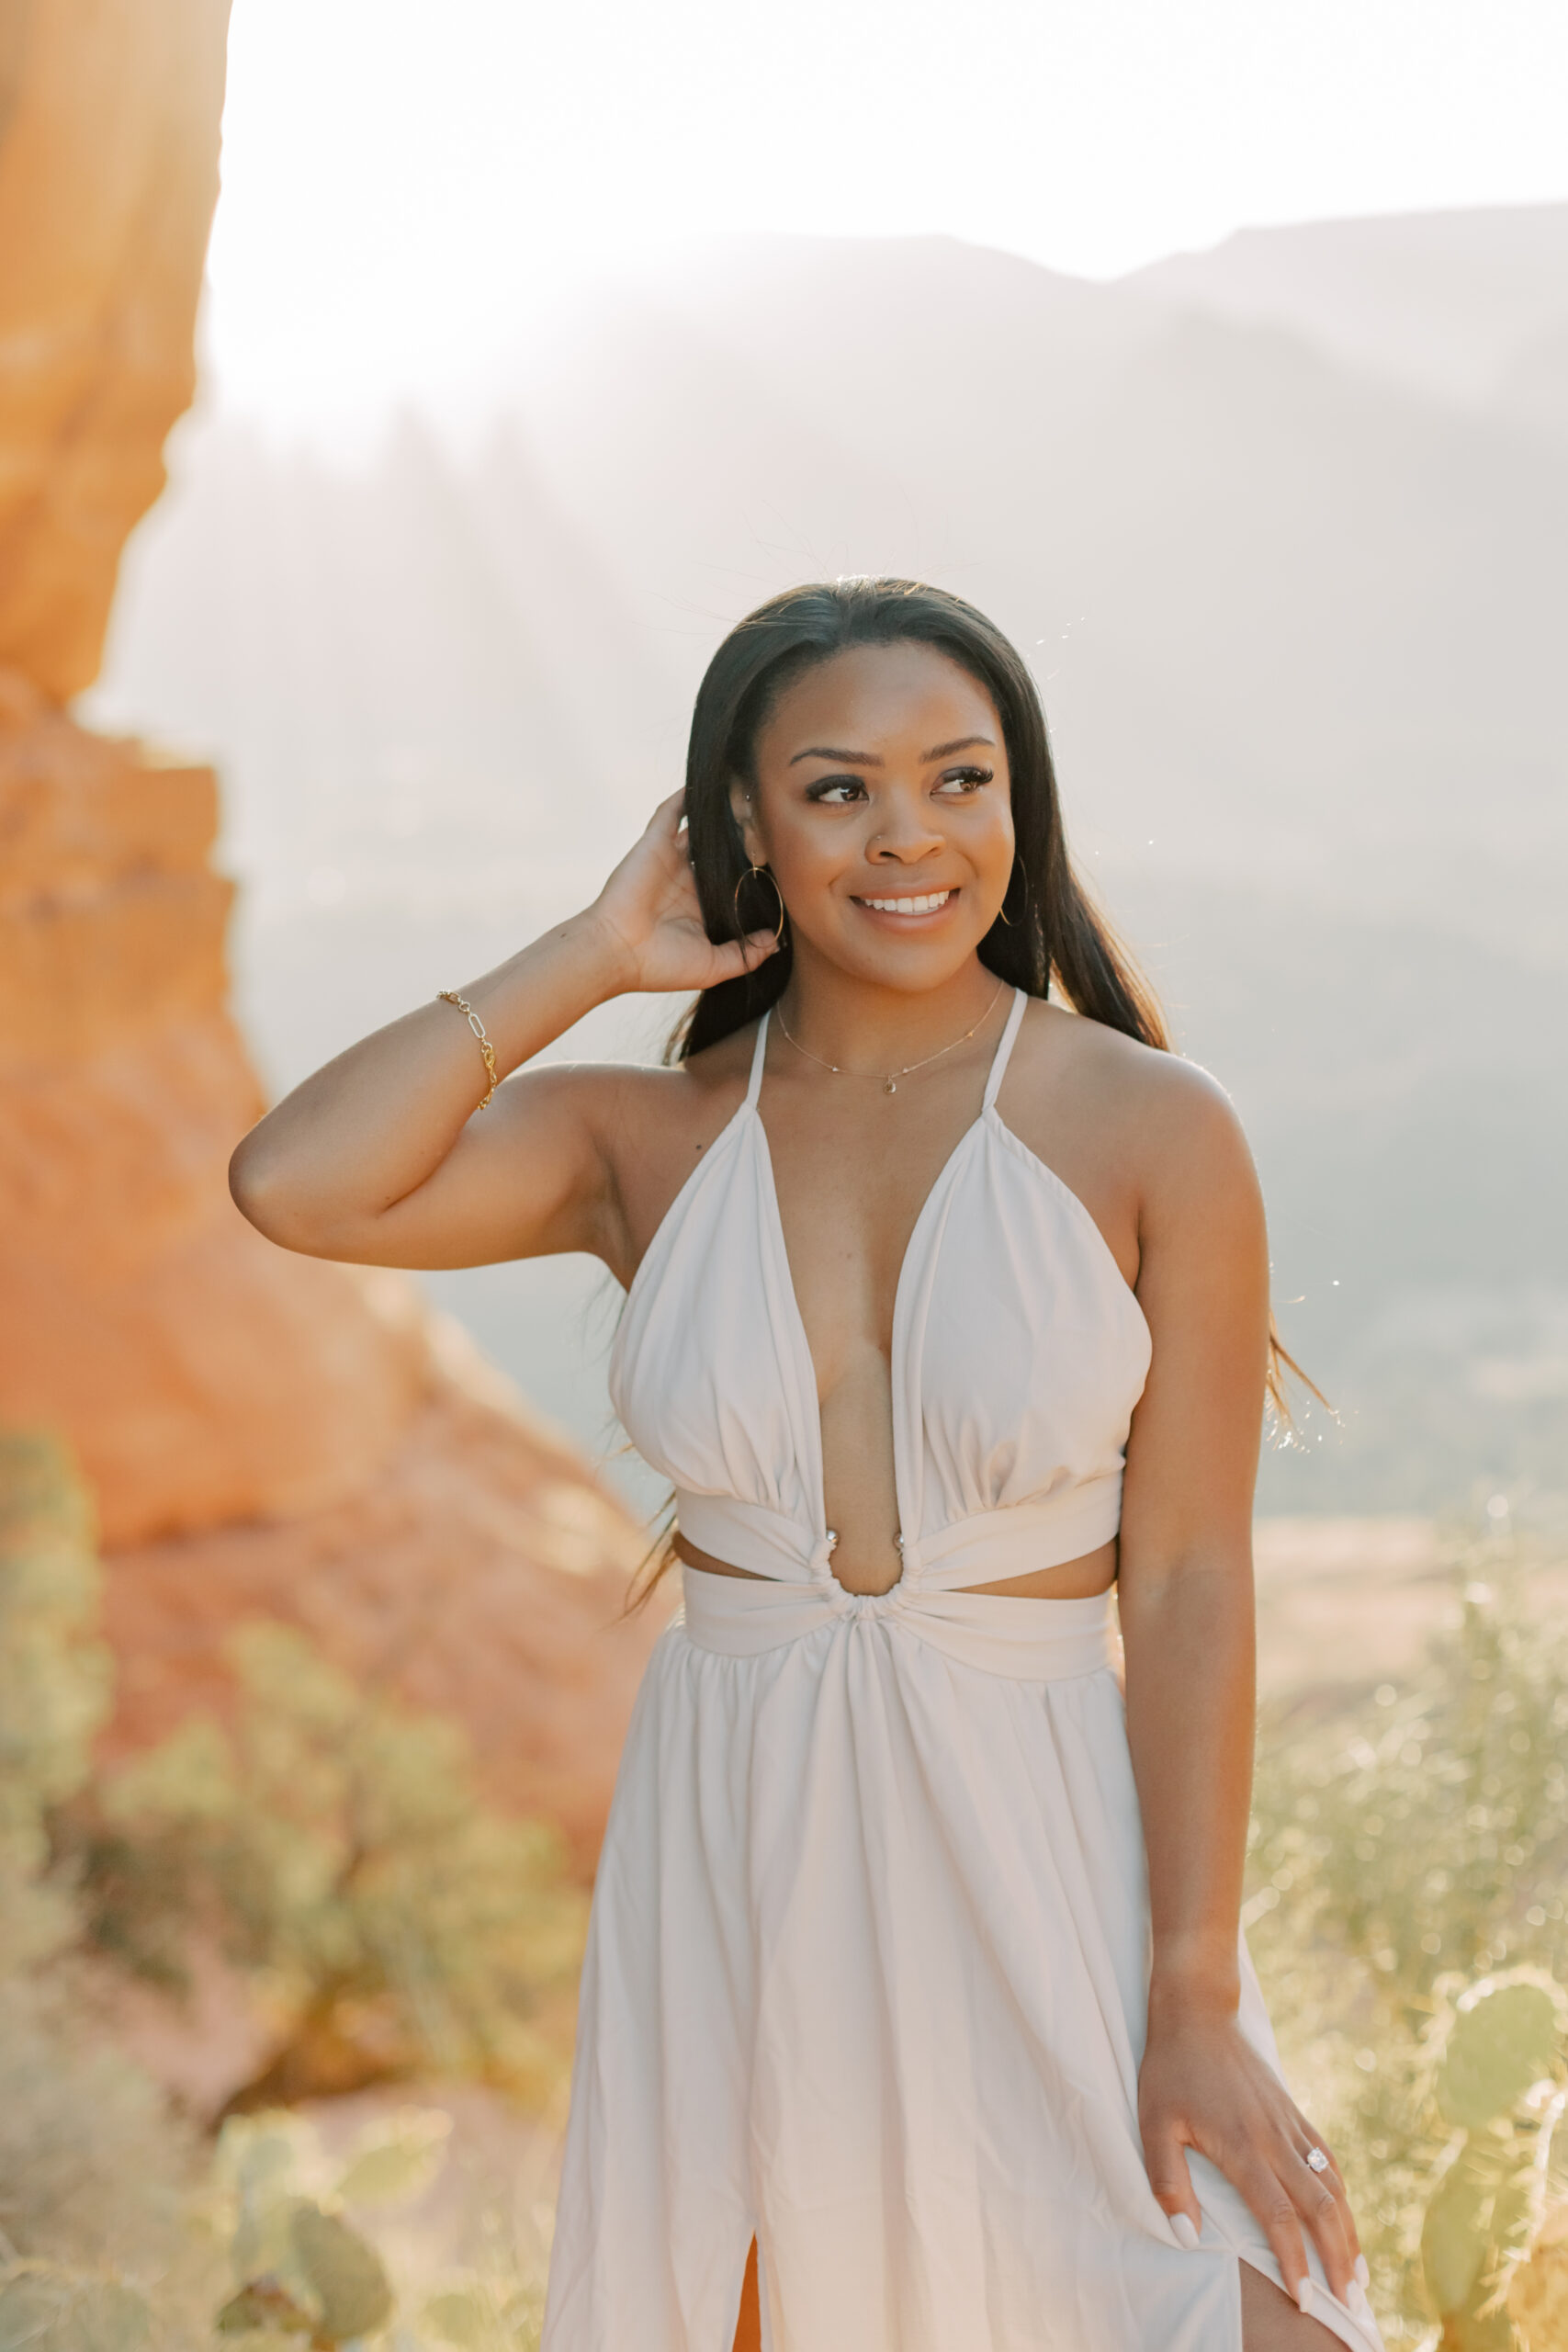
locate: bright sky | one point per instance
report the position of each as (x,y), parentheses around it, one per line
(408,182)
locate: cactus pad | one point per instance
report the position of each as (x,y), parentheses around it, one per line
(395,2159)
(1455,2234)
(344,2272)
(1502,2039)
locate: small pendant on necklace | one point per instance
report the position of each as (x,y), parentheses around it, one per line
(890,1086)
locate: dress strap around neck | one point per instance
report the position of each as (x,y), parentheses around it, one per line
(1004,1050)
(758,1052)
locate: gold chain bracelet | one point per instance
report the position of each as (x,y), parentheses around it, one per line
(449,996)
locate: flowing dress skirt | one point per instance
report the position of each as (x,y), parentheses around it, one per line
(867,1980)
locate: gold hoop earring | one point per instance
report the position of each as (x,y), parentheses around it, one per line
(751,873)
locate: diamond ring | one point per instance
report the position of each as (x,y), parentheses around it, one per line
(1317,2160)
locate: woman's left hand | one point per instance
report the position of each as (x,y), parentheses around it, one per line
(1202,2086)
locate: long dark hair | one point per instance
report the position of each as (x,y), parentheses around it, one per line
(1048,926)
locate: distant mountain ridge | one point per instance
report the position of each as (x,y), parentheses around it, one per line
(1452,303)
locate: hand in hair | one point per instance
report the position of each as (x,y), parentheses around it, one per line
(652,922)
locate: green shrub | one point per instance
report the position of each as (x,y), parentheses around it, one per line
(387,1918)
(55,1675)
(338,1843)
(1408,1866)
(92,2168)
(1434,1840)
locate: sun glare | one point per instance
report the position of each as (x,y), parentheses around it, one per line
(405,188)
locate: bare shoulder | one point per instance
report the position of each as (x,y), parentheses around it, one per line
(1142,1130)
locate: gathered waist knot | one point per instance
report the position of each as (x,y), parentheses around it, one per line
(872,1604)
(1024,1640)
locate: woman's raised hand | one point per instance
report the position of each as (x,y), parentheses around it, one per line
(650,917)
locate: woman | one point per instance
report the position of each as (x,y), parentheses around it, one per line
(915,2016)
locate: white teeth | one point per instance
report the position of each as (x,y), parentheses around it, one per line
(920,906)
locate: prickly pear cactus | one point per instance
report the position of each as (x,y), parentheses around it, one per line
(1502,2043)
(344,2273)
(263,2162)
(1456,2228)
(1502,2039)
(301,2271)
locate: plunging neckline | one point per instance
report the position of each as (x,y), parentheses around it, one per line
(806,1363)
(909,1506)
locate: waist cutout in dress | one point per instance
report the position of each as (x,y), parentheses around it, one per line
(1025,1641)
(985,1547)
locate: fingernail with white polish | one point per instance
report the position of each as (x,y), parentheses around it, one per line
(1183,2231)
(1303,2295)
(1357,2300)
(1363,2275)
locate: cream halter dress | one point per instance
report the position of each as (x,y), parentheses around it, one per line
(867,1972)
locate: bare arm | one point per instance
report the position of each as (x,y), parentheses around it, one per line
(1187,1620)
(382,1158)
(1186,1560)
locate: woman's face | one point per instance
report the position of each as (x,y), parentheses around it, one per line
(883,805)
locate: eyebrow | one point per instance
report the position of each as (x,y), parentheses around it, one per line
(872,760)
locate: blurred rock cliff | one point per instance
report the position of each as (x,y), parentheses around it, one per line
(266,1436)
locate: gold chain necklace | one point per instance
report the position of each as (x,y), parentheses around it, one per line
(890,1083)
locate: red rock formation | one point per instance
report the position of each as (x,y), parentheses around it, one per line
(200,1378)
(109,115)
(264,1435)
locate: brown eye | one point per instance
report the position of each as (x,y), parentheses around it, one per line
(968,780)
(836,791)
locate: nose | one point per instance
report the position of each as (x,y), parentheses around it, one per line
(905,834)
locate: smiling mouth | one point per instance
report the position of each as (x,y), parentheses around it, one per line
(926,902)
